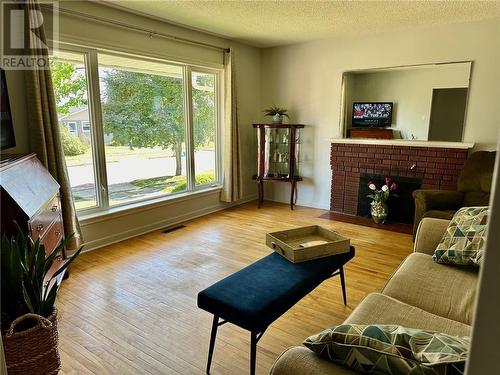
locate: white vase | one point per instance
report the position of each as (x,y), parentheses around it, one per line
(277,118)
(379,211)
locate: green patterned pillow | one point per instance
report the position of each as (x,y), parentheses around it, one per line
(463,242)
(391,349)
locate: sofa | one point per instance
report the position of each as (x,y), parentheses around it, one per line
(473,189)
(420,294)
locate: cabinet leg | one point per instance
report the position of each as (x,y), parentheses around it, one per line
(292,193)
(260,191)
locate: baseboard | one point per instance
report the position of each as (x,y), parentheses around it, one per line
(300,202)
(121,236)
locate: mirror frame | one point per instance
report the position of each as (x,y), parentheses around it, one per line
(343,108)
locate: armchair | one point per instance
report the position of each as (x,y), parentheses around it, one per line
(474,185)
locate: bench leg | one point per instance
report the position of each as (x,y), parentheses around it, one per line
(342,282)
(215,325)
(253,352)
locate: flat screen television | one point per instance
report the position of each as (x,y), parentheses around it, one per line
(7,139)
(371,114)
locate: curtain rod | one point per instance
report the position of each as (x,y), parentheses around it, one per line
(122,25)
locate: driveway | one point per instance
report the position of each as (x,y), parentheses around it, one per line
(130,168)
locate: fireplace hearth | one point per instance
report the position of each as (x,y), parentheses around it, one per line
(401,207)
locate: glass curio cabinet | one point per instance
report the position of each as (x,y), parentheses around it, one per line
(278,156)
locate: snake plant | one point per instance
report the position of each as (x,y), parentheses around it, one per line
(24,267)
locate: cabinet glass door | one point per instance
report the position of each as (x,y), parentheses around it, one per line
(277,153)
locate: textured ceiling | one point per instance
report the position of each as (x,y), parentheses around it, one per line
(272,23)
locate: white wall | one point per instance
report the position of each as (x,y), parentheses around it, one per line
(306,79)
(410,89)
(118,226)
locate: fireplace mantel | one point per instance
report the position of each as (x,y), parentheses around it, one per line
(402,142)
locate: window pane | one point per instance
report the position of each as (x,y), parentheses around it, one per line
(205,125)
(143,119)
(70,89)
(86,126)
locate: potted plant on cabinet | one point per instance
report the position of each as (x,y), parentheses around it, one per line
(276,113)
(29,319)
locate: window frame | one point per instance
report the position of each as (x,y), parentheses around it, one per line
(75,130)
(84,124)
(97,131)
(218,126)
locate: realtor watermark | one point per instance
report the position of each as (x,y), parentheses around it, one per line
(22,46)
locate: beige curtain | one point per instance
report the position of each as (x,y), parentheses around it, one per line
(44,128)
(232,188)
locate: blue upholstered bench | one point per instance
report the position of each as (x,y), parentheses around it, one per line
(257,295)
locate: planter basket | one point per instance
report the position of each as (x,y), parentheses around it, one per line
(33,351)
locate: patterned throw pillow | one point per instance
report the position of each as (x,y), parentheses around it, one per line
(463,242)
(391,349)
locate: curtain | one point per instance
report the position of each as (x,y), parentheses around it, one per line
(232,188)
(43,125)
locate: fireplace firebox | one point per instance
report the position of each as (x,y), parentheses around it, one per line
(401,205)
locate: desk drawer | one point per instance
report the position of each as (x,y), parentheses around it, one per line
(40,222)
(53,236)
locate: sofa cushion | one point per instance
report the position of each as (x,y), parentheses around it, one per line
(463,241)
(429,234)
(301,361)
(378,308)
(437,214)
(375,308)
(440,289)
(391,349)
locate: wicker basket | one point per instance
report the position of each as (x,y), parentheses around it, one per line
(33,351)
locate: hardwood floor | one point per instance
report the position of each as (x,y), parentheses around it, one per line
(130,308)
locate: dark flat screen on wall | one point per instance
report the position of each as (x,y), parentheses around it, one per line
(371,114)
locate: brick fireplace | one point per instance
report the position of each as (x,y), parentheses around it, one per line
(433,166)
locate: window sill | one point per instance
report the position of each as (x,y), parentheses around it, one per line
(128,209)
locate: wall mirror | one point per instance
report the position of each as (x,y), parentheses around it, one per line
(420,102)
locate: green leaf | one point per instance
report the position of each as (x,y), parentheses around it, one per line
(67,263)
(48,302)
(24,267)
(27,300)
(274,109)
(55,253)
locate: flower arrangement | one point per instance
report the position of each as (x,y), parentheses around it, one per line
(379,209)
(382,194)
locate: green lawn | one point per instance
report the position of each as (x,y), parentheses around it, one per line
(173,184)
(165,184)
(81,203)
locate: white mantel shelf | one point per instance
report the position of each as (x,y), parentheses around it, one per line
(402,142)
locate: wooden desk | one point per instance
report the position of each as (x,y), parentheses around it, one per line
(30,198)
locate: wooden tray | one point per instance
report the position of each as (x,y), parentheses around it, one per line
(301,244)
